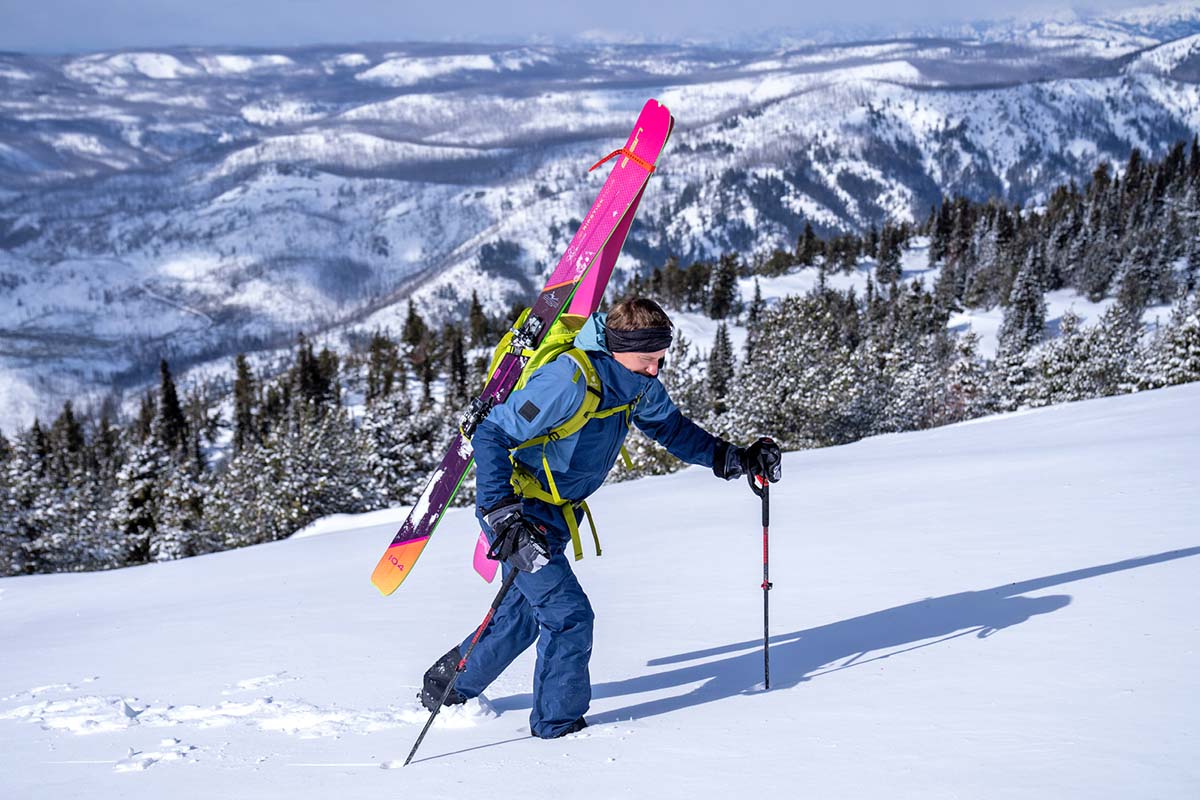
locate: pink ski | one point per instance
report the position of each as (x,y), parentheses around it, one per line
(609,214)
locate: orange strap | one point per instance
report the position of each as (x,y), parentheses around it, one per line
(641,162)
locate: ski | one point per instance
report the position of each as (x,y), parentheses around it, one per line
(585,301)
(595,241)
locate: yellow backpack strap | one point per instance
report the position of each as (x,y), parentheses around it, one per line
(591,524)
(626,458)
(587,409)
(568,510)
(526,485)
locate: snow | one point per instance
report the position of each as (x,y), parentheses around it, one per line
(228,64)
(109,69)
(81,143)
(1000,609)
(1164,59)
(410,70)
(12,74)
(986,322)
(281,112)
(351,150)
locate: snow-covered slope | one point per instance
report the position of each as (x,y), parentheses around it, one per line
(1000,609)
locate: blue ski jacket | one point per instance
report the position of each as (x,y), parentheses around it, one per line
(580,462)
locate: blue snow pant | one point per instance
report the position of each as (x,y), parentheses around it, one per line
(549,607)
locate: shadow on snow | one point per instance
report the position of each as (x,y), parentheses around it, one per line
(803,655)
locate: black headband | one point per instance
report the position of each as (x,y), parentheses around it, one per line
(642,340)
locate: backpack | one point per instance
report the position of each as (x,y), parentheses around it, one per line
(559,341)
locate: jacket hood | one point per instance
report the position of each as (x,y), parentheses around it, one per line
(591,336)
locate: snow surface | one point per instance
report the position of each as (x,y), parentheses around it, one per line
(999,609)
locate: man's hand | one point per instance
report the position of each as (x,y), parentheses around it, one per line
(518,540)
(761,458)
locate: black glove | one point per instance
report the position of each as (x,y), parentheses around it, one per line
(517,541)
(761,458)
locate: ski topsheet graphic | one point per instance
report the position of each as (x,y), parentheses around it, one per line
(594,247)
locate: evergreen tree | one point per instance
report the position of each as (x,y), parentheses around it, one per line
(1138,282)
(795,386)
(106,456)
(402,446)
(314,378)
(888,271)
(918,386)
(147,411)
(23,502)
(136,500)
(170,425)
(477,323)
(427,378)
(940,233)
(1113,349)
(384,373)
(328,367)
(991,273)
(807,246)
(1174,357)
(457,386)
(754,314)
(967,394)
(310,468)
(1025,317)
(246,430)
(65,447)
(754,318)
(723,292)
(415,333)
(179,529)
(720,370)
(1063,365)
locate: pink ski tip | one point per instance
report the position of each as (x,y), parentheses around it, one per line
(485,566)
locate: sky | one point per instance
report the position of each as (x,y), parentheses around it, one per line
(62,26)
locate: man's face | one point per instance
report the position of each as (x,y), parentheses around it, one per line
(641,363)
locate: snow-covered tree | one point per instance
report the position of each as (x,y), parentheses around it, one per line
(723,297)
(720,370)
(794,387)
(313,467)
(1174,356)
(967,391)
(1025,317)
(246,428)
(21,502)
(402,445)
(134,510)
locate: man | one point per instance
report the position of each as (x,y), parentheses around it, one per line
(626,349)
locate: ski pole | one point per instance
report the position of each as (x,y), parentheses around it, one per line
(761,487)
(462,664)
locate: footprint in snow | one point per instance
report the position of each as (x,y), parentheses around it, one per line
(168,750)
(261,682)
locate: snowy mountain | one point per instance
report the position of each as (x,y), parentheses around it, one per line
(1002,608)
(190,203)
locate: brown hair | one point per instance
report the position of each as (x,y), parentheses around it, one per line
(636,313)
